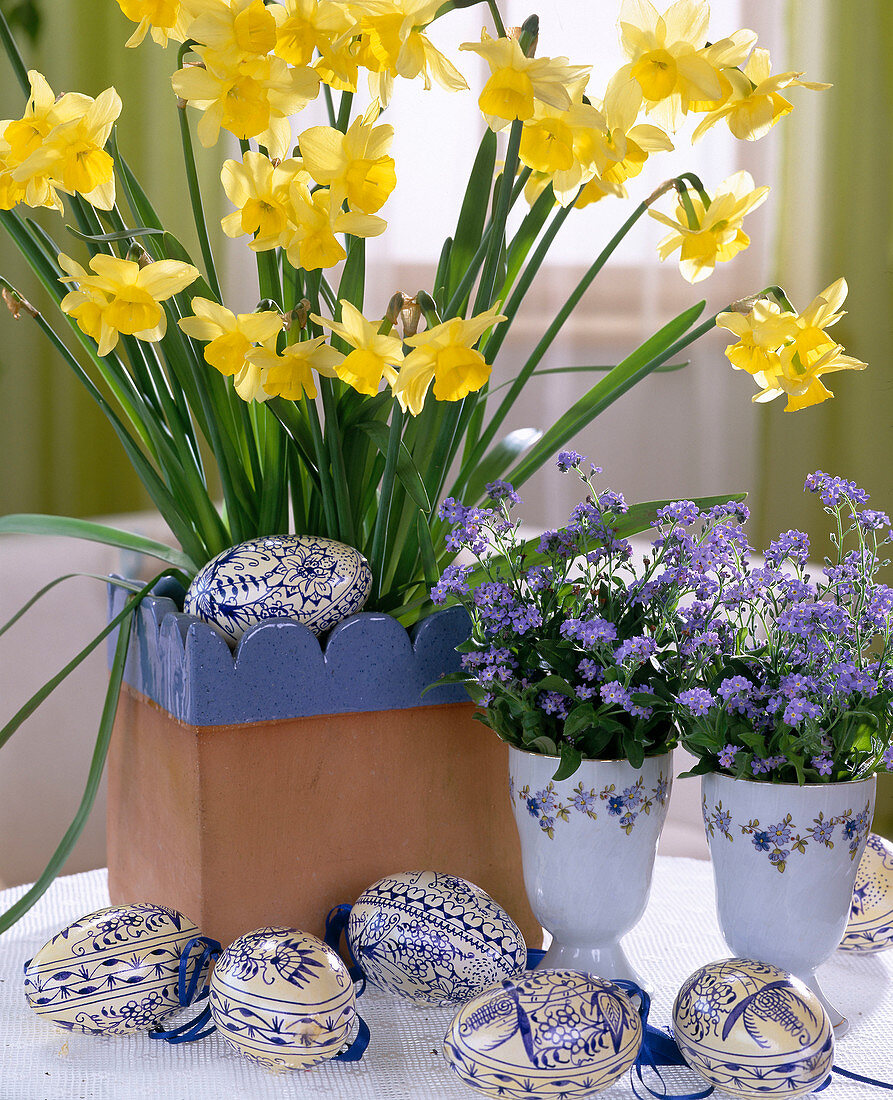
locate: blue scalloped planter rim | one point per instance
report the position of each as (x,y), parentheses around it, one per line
(280,669)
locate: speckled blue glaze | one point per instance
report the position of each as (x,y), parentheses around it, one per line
(280,669)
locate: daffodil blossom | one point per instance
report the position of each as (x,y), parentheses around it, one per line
(755,103)
(306,27)
(251,99)
(164,19)
(446,356)
(290,375)
(669,59)
(309,239)
(122,297)
(393,43)
(237,30)
(228,337)
(717,235)
(355,165)
(260,190)
(516,82)
(761,332)
(374,357)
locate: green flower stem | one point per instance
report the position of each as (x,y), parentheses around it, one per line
(15,58)
(553,329)
(484,298)
(330,105)
(195,197)
(334,448)
(385,499)
(326,485)
(344,112)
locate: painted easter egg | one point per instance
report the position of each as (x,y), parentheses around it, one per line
(546,1033)
(114,971)
(753,1030)
(434,938)
(870,927)
(315,580)
(282,998)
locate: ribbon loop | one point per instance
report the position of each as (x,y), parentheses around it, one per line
(357,1048)
(188,992)
(336,927)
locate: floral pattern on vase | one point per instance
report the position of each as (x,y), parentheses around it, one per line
(626,805)
(782,838)
(587,846)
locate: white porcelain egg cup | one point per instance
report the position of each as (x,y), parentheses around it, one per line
(588,845)
(784,863)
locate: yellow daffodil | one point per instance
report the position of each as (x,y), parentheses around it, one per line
(122,297)
(229,338)
(251,99)
(237,30)
(445,355)
(669,59)
(354,165)
(761,333)
(788,353)
(392,43)
(305,27)
(374,357)
(73,153)
(260,190)
(290,375)
(164,19)
(717,235)
(309,239)
(516,82)
(755,103)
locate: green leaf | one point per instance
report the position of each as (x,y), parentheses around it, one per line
(119,235)
(426,548)
(473,215)
(494,464)
(407,472)
(353,277)
(622,378)
(131,586)
(580,718)
(33,524)
(556,683)
(570,760)
(544,745)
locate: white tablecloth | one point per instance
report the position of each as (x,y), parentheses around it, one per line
(677,934)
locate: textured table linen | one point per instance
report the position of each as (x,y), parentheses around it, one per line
(677,934)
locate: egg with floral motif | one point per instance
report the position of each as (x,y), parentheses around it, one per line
(751,1029)
(282,998)
(870,927)
(315,580)
(112,972)
(434,938)
(547,1033)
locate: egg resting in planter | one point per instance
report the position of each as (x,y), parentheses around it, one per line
(266,785)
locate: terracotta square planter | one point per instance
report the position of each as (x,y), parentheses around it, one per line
(241,818)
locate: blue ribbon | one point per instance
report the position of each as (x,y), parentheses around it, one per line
(188,993)
(336,927)
(357,1048)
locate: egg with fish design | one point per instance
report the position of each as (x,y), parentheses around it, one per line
(870,926)
(546,1033)
(282,998)
(111,972)
(434,938)
(751,1029)
(315,580)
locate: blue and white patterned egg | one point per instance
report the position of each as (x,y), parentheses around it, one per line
(112,972)
(282,998)
(434,938)
(547,1033)
(870,927)
(753,1030)
(315,580)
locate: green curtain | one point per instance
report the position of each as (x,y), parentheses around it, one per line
(60,456)
(838,202)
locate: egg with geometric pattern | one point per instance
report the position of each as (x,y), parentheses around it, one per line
(559,1034)
(434,938)
(870,927)
(113,972)
(753,1030)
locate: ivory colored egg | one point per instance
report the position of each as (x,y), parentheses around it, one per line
(282,998)
(434,938)
(753,1030)
(114,971)
(315,580)
(870,927)
(547,1033)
